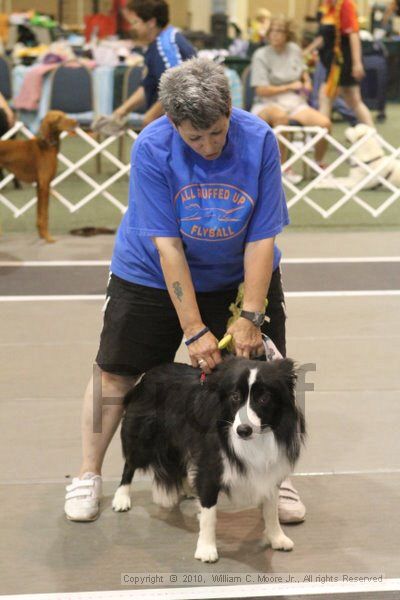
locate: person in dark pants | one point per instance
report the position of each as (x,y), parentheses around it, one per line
(205,204)
(341,54)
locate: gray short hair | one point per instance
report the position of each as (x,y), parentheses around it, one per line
(198,91)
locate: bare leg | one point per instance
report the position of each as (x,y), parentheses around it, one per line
(313,118)
(275,116)
(325,103)
(273,534)
(104,400)
(352,96)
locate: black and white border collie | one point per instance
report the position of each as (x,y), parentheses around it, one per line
(238,431)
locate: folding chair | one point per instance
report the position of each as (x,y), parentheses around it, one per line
(71,90)
(131,82)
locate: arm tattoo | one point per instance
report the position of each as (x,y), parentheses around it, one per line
(178,290)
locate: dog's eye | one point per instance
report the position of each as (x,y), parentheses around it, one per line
(264,399)
(235,397)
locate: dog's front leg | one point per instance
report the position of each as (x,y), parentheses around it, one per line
(43,192)
(206,550)
(273,533)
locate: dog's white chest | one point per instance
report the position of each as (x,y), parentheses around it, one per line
(265,466)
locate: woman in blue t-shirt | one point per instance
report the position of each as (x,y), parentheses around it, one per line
(205,204)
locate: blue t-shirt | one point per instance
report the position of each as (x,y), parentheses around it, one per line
(168,49)
(214,206)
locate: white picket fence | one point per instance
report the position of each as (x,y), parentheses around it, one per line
(349,191)
(300,155)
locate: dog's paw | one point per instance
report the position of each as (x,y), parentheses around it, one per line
(206,553)
(278,542)
(122,500)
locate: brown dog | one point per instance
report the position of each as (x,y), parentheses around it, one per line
(35,160)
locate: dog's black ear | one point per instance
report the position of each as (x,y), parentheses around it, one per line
(287,368)
(221,377)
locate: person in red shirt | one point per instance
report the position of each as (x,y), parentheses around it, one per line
(340,52)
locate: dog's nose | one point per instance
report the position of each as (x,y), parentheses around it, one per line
(244,431)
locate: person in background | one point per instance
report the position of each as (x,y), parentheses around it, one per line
(7,117)
(393,8)
(205,204)
(166,48)
(259,27)
(340,52)
(282,85)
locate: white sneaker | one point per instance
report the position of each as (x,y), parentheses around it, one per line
(292,176)
(290,507)
(82,500)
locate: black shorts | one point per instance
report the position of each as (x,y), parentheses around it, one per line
(141,328)
(346,78)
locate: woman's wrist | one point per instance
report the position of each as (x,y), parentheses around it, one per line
(191,330)
(196,336)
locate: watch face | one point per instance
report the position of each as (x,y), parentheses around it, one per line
(258,319)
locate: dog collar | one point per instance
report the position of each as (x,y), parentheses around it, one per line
(203,378)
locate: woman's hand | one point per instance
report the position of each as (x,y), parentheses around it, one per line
(358,71)
(204,352)
(247,338)
(295,86)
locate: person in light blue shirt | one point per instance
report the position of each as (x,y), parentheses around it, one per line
(205,204)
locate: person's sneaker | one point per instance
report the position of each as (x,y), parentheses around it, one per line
(82,500)
(292,176)
(290,507)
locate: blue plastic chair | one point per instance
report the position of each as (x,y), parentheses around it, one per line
(132,81)
(71,90)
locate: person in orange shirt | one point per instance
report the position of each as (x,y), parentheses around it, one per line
(340,52)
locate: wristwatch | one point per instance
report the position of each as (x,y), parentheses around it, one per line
(257,318)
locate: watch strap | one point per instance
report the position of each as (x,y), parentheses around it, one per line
(257,318)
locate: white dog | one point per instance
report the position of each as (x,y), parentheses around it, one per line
(371,153)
